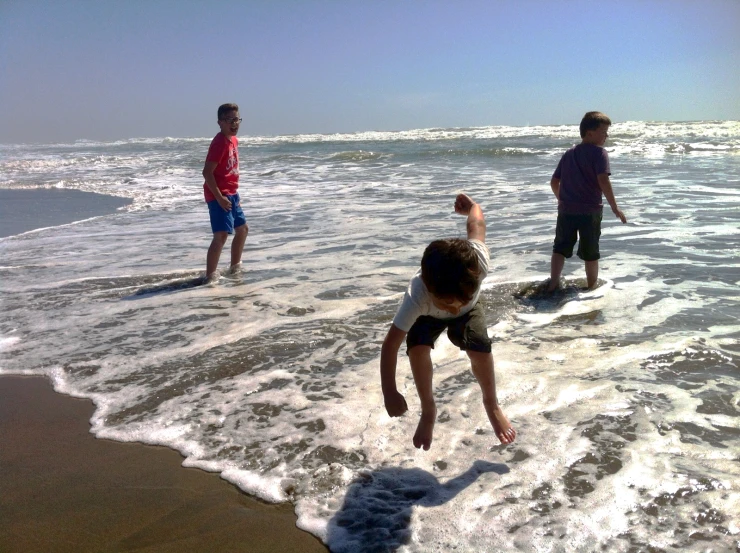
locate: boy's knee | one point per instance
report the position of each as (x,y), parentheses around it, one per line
(220,238)
(480,361)
(479,357)
(419,352)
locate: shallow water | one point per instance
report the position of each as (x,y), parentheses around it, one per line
(625,398)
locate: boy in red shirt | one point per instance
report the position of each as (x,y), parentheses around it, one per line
(579,181)
(221,172)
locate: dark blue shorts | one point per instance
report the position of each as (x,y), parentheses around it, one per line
(226,221)
(584,228)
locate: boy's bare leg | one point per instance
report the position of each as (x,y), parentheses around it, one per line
(420,358)
(237,244)
(214,252)
(557,262)
(592,273)
(482,365)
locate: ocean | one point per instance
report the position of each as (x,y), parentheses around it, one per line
(625,398)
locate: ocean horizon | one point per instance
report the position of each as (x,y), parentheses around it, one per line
(625,398)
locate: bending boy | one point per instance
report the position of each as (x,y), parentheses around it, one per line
(221,173)
(578,182)
(444,295)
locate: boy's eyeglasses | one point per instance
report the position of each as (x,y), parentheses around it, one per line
(233,120)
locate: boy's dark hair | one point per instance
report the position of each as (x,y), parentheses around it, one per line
(449,269)
(223,109)
(592,121)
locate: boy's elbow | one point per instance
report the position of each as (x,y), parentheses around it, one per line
(208,169)
(393,340)
(389,347)
(477,229)
(477,225)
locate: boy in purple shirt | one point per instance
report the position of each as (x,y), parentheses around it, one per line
(578,183)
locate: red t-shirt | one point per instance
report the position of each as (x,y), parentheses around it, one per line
(225,152)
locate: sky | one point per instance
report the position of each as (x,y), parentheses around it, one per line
(116,69)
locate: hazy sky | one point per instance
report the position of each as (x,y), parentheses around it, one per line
(128,68)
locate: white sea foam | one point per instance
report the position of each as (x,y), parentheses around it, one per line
(7,341)
(624,398)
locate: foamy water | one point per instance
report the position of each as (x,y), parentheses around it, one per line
(625,399)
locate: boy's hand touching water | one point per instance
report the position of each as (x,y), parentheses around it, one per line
(395,403)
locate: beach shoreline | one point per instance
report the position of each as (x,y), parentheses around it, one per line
(23,209)
(65,490)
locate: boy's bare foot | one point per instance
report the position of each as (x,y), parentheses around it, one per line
(593,286)
(213,277)
(502,427)
(552,285)
(236,269)
(425,430)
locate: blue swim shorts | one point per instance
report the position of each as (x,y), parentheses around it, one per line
(226,221)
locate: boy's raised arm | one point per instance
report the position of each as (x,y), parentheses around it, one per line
(476,224)
(394,401)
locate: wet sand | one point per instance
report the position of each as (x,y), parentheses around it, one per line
(63,490)
(24,210)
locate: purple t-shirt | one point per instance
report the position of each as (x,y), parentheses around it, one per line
(579,187)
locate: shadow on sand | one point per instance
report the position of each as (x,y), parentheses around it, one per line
(378,506)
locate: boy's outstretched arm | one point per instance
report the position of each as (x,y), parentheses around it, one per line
(394,401)
(606,187)
(476,225)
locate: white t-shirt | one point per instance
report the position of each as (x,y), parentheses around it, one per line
(418,301)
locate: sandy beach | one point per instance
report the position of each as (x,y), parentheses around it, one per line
(64,490)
